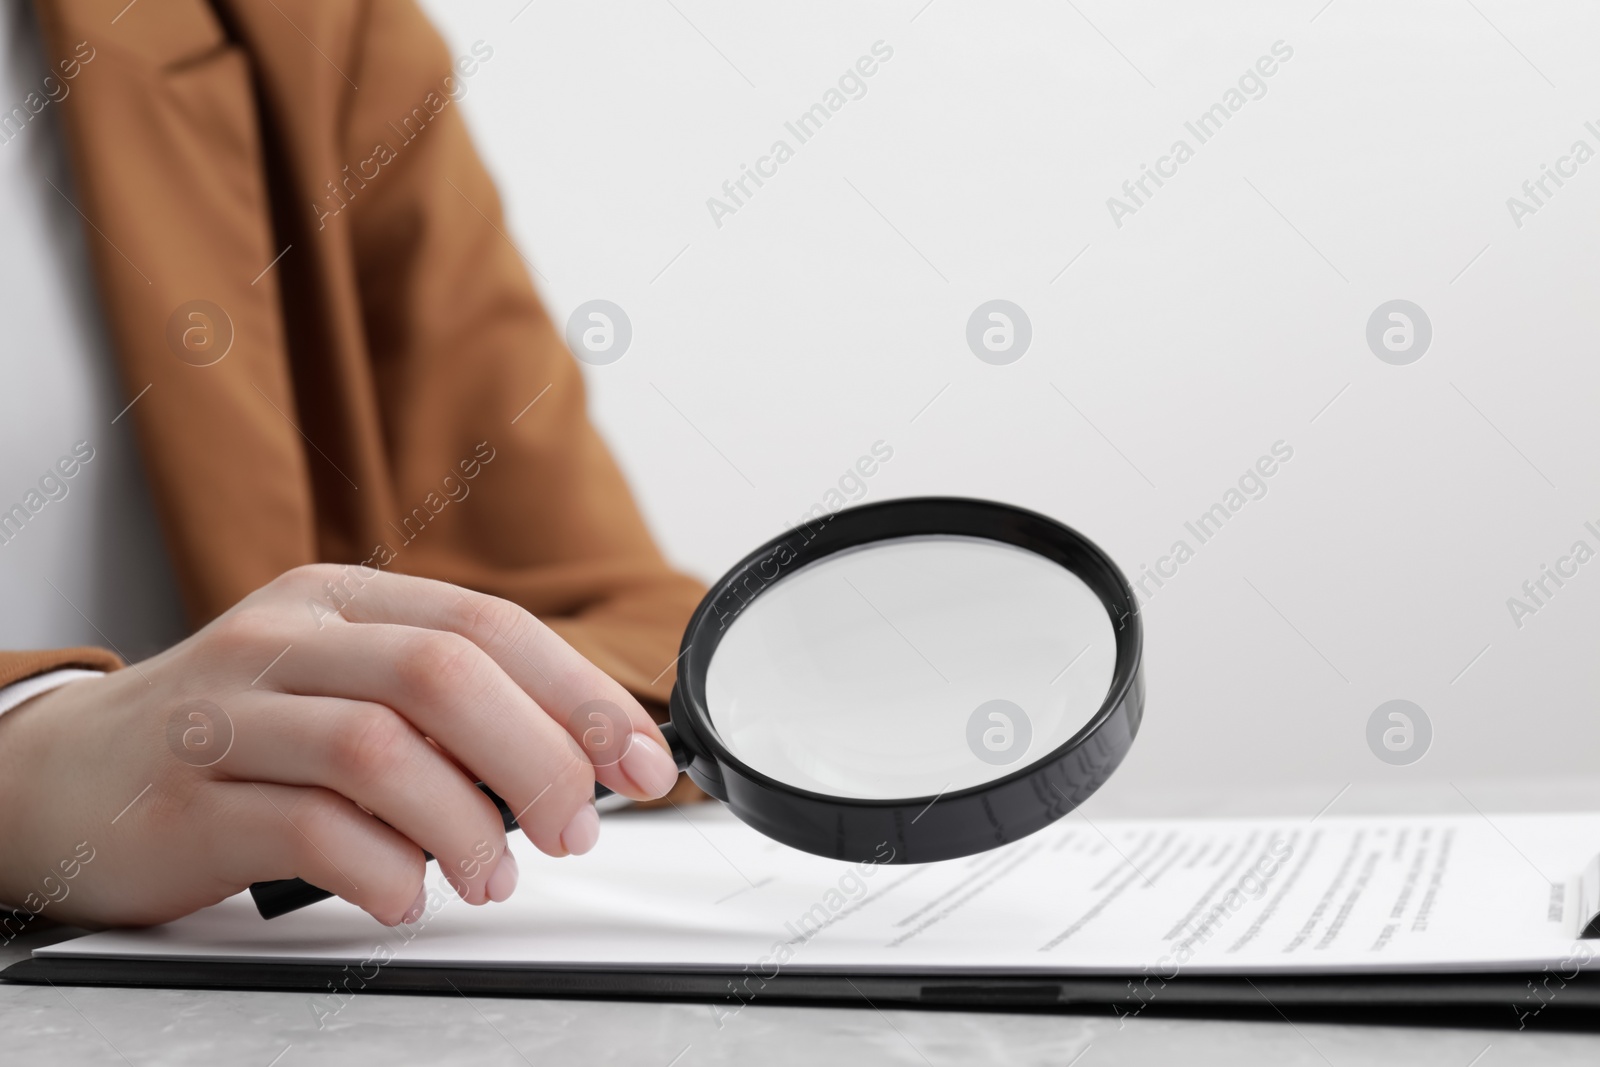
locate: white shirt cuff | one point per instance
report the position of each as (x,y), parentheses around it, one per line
(28,688)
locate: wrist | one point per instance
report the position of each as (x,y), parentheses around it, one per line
(37,734)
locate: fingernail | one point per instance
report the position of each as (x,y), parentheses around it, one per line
(503,880)
(582,832)
(648,766)
(418,906)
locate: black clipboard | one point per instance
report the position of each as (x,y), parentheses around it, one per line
(1565,996)
(1494,1000)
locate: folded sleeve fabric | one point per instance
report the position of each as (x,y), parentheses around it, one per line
(17,667)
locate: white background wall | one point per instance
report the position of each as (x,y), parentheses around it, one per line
(1226,314)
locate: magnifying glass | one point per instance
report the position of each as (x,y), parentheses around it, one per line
(940,675)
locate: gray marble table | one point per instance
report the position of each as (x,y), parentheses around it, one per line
(66,1026)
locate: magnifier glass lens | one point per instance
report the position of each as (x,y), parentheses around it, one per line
(911,667)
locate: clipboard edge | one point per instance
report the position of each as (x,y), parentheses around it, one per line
(1487,1000)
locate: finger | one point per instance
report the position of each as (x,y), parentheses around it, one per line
(372,755)
(265,831)
(593,707)
(451,690)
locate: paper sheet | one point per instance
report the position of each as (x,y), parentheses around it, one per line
(697,890)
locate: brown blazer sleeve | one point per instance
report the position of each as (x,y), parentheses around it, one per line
(467,364)
(15,666)
(427,412)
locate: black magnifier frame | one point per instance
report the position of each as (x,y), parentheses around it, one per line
(915,829)
(927,828)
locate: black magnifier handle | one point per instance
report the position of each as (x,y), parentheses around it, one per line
(284,895)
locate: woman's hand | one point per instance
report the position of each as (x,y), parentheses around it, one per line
(330,726)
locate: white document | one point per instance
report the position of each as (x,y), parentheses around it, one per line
(697,890)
